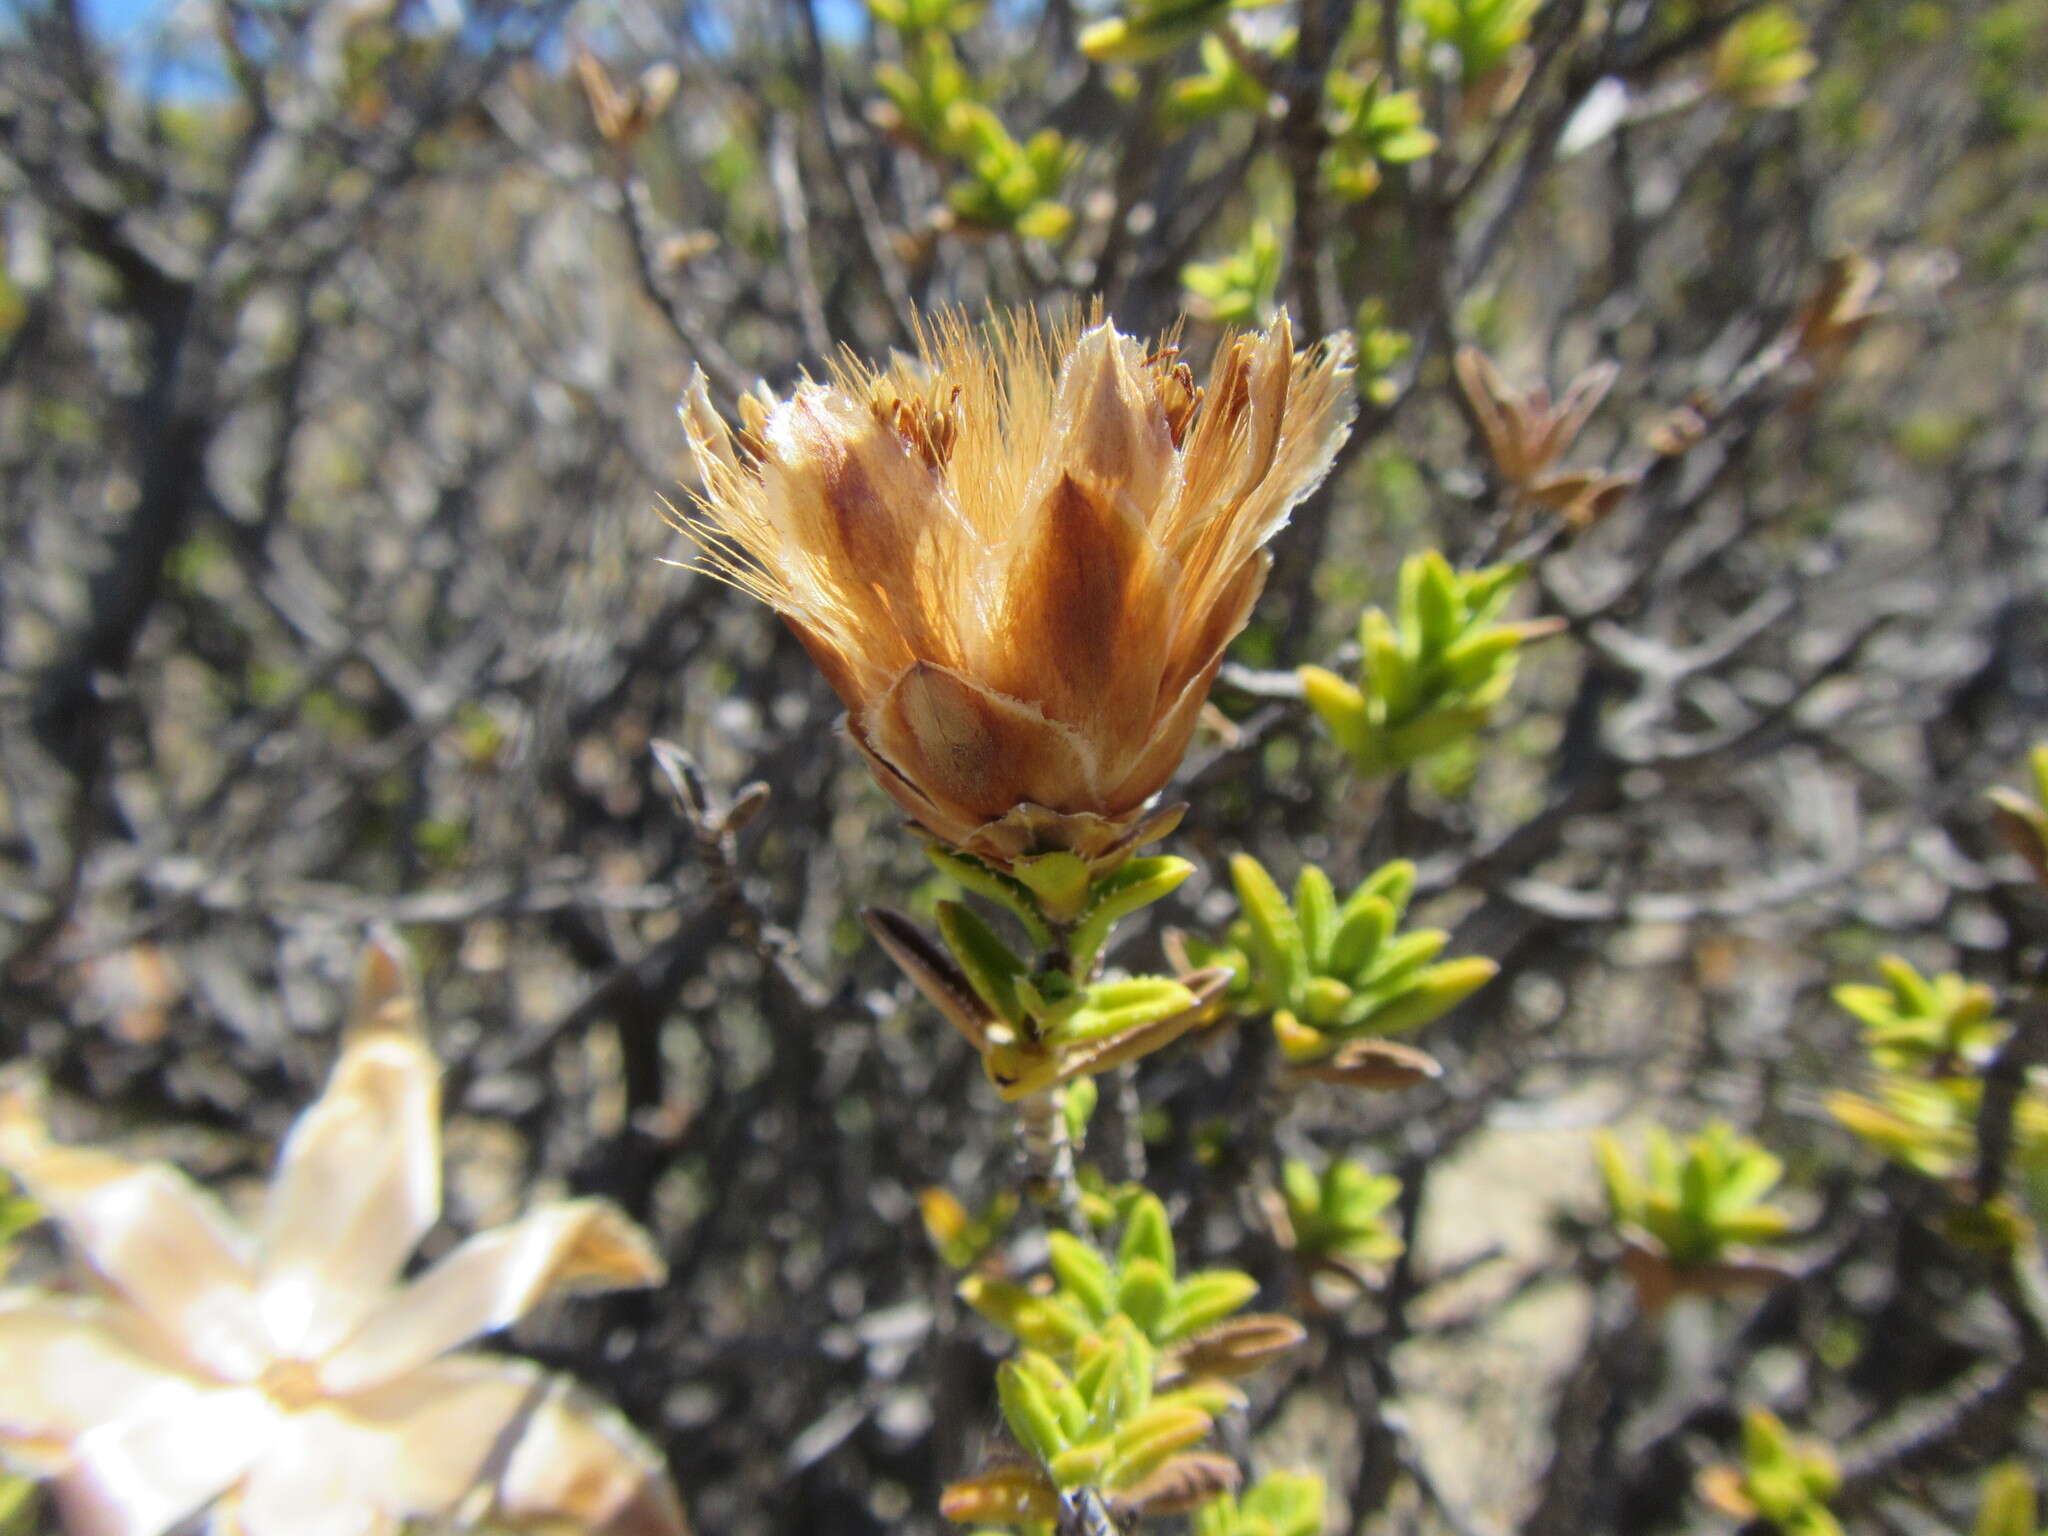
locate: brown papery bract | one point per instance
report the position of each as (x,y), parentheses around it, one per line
(1019,556)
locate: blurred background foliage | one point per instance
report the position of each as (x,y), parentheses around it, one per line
(339,343)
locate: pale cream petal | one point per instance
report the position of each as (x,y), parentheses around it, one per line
(490,1282)
(143,1473)
(468,1438)
(447,1430)
(72,1364)
(582,1465)
(359,1180)
(155,1238)
(321,1475)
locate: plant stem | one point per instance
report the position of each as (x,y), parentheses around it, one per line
(1049,1156)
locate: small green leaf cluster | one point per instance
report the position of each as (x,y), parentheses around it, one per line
(1337,1219)
(1762,60)
(1327,972)
(1009,186)
(919,16)
(924,88)
(1104,1425)
(1369,126)
(2009,1506)
(1926,1124)
(1223,84)
(1238,287)
(1381,349)
(1783,1480)
(1041,1021)
(1140,1286)
(1121,1372)
(1927,1039)
(1430,676)
(1479,34)
(1699,1203)
(1916,1023)
(1150,29)
(1056,900)
(1278,1504)
(1930,1127)
(1929,1124)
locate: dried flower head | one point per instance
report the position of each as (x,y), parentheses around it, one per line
(1527,435)
(1018,558)
(1838,311)
(622,116)
(294,1383)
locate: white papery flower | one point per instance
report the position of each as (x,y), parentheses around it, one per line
(290,1379)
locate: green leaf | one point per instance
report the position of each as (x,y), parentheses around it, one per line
(1285,1504)
(1315,911)
(1393,883)
(1127,1388)
(1144,1443)
(1059,881)
(1324,1000)
(1439,613)
(1045,220)
(985,960)
(1875,1006)
(1429,996)
(1081,1464)
(1135,885)
(1147,1235)
(1143,1294)
(1341,706)
(1109,1009)
(1012,895)
(1477,655)
(1367,923)
(1077,1104)
(1406,956)
(1758,1224)
(1028,1410)
(1082,1273)
(1624,1192)
(1104,1360)
(2009,1507)
(1747,1179)
(1048,1323)
(1386,667)
(1205,1298)
(1276,943)
(1299,1185)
